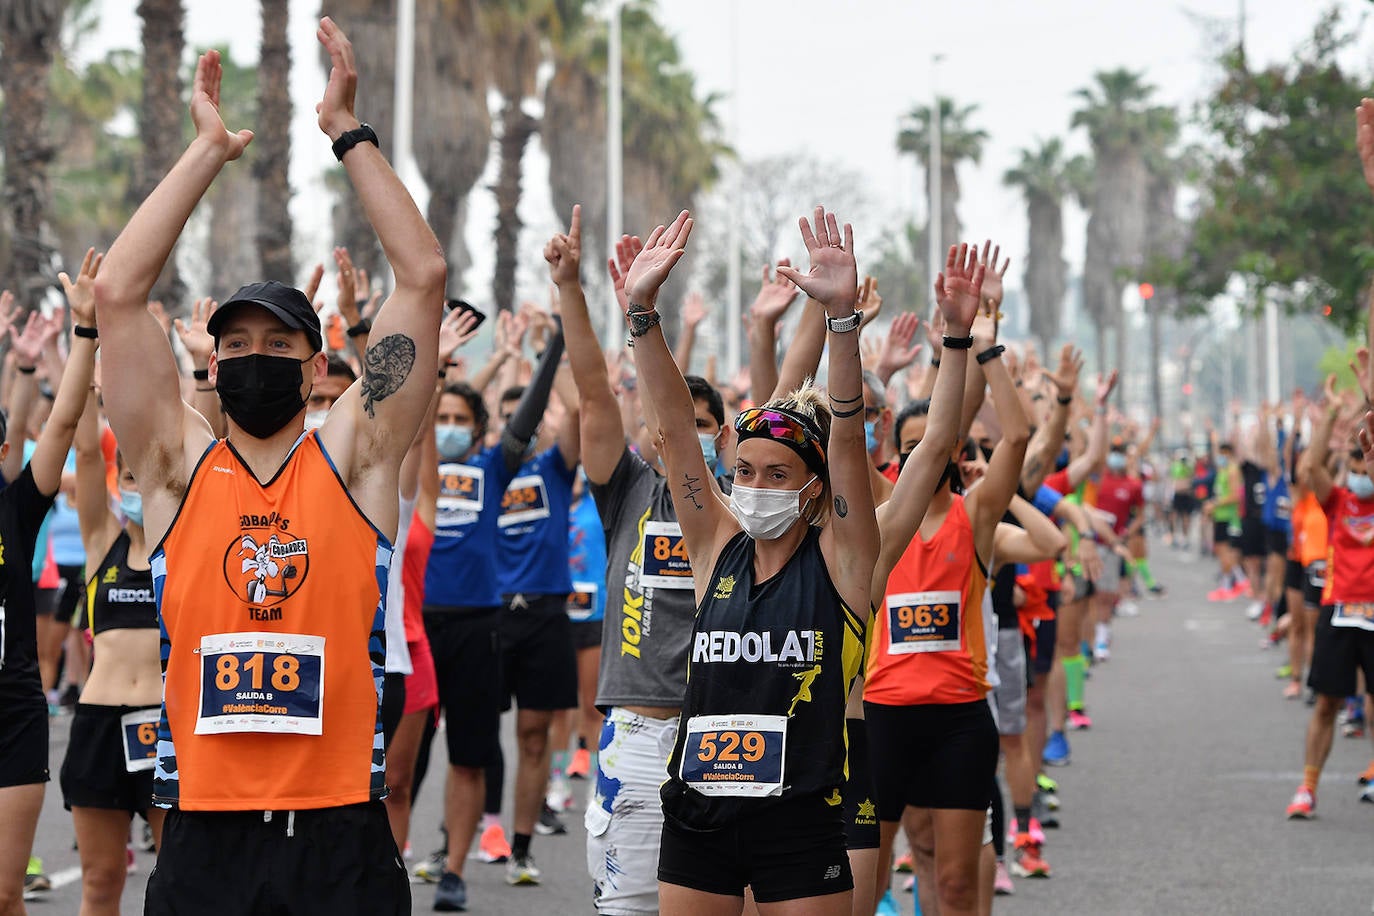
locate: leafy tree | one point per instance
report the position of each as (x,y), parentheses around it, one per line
(959,142)
(1283,203)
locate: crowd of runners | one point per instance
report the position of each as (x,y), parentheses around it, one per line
(760,628)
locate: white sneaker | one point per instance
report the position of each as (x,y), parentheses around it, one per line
(1128,609)
(1101,652)
(1254,611)
(559,795)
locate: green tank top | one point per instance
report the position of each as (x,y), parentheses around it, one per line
(1231,513)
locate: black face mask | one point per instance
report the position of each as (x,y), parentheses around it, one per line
(261,393)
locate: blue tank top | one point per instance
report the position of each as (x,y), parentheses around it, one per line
(67,549)
(533,544)
(462,563)
(586,561)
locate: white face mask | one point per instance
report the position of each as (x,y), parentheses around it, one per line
(766,514)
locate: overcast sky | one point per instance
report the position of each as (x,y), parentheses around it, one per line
(835,78)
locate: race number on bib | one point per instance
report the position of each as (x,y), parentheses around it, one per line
(735,755)
(923,622)
(525,500)
(460,493)
(261,682)
(582,600)
(1357,616)
(665,557)
(139,729)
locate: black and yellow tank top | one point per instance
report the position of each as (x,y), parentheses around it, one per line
(118,597)
(770,668)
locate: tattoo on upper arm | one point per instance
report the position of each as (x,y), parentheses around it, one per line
(1032,469)
(386,366)
(691,488)
(841,507)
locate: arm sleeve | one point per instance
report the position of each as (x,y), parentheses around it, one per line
(525,422)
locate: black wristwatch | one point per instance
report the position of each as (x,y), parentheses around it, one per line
(351,138)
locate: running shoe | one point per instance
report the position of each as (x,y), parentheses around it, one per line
(903,864)
(1048,786)
(558,795)
(35,882)
(580,765)
(1035,831)
(432,868)
(1267,617)
(130,863)
(522,870)
(1001,883)
(887,905)
(1254,611)
(1284,672)
(1128,609)
(1353,729)
(1302,805)
(1220,593)
(1042,813)
(1292,691)
(1028,862)
(1367,794)
(492,848)
(1102,652)
(1157,591)
(550,824)
(1078,720)
(145,838)
(1057,750)
(452,894)
(1368,775)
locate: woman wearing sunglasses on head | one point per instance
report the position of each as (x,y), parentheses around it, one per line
(753,793)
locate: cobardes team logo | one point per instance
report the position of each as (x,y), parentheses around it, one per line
(265,566)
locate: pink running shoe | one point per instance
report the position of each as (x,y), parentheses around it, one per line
(1037,834)
(1078,720)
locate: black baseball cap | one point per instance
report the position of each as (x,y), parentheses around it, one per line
(286,302)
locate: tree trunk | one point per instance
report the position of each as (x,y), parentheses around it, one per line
(272,158)
(160,127)
(29,31)
(516,129)
(1155,309)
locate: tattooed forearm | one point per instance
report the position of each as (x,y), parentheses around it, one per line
(841,507)
(386,366)
(691,489)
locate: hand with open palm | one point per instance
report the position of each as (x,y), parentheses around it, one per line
(81,291)
(833,279)
(205,109)
(664,248)
(958,289)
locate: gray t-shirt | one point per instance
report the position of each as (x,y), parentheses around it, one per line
(650,604)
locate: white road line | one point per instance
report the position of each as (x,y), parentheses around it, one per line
(65,876)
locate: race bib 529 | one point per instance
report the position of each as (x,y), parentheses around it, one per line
(735,755)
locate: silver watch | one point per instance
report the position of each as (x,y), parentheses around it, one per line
(844,325)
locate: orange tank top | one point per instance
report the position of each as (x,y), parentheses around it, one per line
(270,598)
(928,644)
(1309,530)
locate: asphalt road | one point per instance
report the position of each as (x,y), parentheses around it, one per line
(1173,803)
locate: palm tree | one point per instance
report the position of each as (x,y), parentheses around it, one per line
(1042,176)
(231,251)
(371,28)
(958,142)
(453,139)
(29,32)
(515,30)
(272,158)
(1115,113)
(162,117)
(1163,229)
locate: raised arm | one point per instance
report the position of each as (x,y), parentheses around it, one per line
(1080,467)
(26,346)
(701,510)
(1320,451)
(50,453)
(158,432)
(602,435)
(852,535)
(957,293)
(1037,539)
(775,297)
(400,363)
(199,345)
(694,311)
(1049,437)
(988,503)
(900,346)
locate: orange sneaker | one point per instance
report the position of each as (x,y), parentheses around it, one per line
(492,847)
(1028,862)
(1302,805)
(580,765)
(903,863)
(1368,775)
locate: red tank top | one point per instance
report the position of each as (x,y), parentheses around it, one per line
(413,563)
(1350,548)
(928,644)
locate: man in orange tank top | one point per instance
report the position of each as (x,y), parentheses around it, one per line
(272,587)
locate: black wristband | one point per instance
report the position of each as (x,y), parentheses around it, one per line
(1065,401)
(363,326)
(200,375)
(351,138)
(991,353)
(935,361)
(26,370)
(841,414)
(958,343)
(83,331)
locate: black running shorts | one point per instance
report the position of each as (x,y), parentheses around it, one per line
(586,634)
(860,807)
(931,756)
(393,705)
(95,773)
(787,850)
(466,647)
(1316,581)
(1293,576)
(538,661)
(23,743)
(239,863)
(1253,538)
(1337,654)
(1276,539)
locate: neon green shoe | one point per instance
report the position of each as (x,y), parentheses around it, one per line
(1045,784)
(1284,672)
(35,882)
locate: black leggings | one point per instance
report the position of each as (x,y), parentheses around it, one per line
(999,819)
